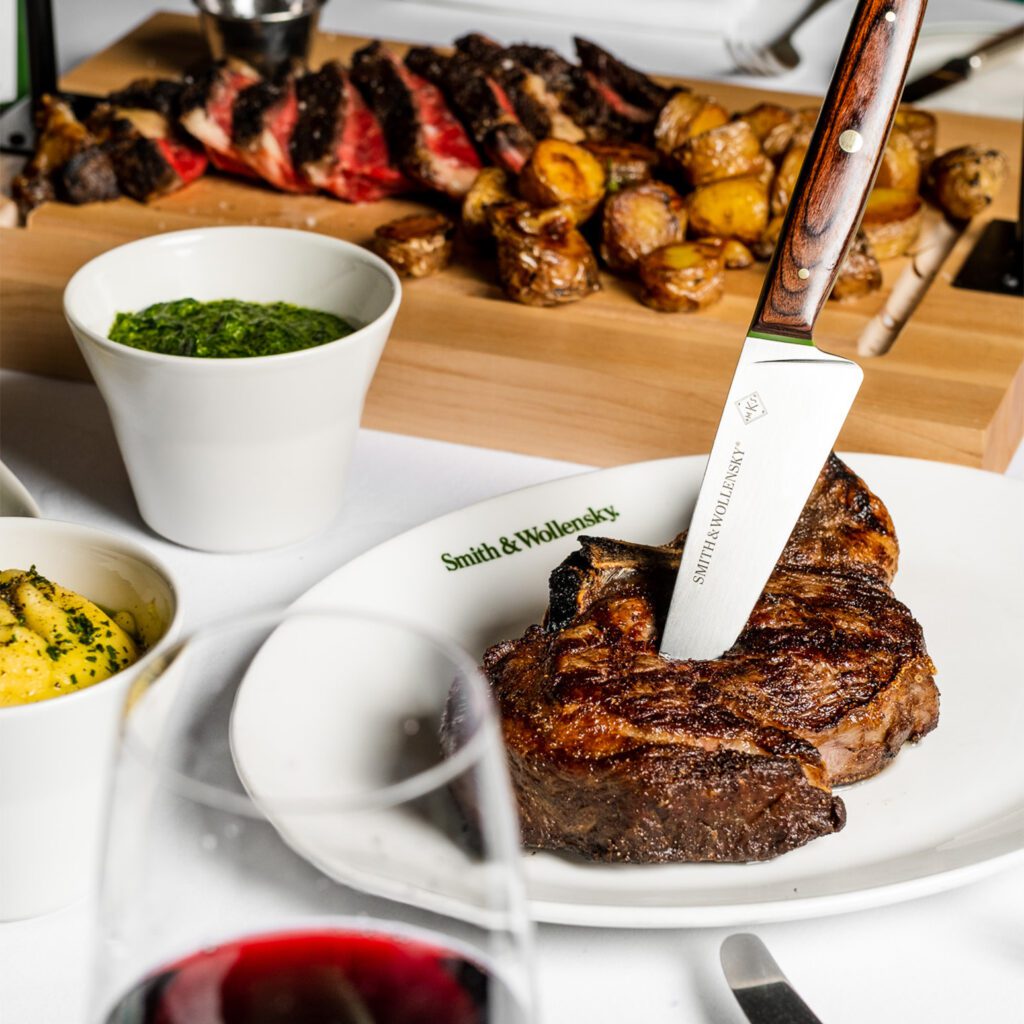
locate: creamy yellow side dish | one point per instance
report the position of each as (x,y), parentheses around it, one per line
(54,641)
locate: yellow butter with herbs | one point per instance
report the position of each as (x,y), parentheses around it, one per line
(54,641)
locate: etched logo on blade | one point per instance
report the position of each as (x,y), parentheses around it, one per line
(751,408)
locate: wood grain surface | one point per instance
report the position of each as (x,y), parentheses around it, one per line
(833,185)
(603,381)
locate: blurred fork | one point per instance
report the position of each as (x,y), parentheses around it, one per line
(774,56)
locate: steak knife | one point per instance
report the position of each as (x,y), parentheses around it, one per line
(788,398)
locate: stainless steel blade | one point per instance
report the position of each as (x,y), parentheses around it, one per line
(785,408)
(762,990)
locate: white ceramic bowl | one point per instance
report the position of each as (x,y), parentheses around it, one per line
(236,454)
(56,755)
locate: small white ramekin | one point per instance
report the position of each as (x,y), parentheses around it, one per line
(56,756)
(236,454)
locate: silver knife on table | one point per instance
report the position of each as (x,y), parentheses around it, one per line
(788,398)
(959,69)
(762,990)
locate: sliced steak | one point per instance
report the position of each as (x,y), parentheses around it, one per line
(423,136)
(480,103)
(630,92)
(68,163)
(619,754)
(149,157)
(263,120)
(577,94)
(338,144)
(207,112)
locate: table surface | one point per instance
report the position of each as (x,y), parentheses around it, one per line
(952,957)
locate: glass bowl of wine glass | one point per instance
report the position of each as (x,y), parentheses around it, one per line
(312,822)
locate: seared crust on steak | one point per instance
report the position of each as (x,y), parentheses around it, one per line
(619,754)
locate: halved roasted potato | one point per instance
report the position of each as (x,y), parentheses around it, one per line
(901,165)
(731,208)
(786,176)
(543,260)
(735,255)
(728,151)
(920,126)
(563,174)
(859,274)
(685,115)
(892,221)
(417,245)
(965,180)
(682,278)
(639,220)
(490,186)
(624,163)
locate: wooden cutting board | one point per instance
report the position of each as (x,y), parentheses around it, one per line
(603,381)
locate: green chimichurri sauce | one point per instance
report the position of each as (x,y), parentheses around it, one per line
(226,328)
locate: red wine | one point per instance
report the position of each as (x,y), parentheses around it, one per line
(316,977)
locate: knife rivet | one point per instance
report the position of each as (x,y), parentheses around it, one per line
(803,273)
(850,141)
(890,15)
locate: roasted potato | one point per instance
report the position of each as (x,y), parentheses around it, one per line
(786,176)
(543,260)
(729,151)
(731,208)
(686,114)
(639,220)
(563,174)
(682,278)
(489,187)
(765,245)
(624,163)
(859,274)
(901,166)
(773,125)
(803,125)
(735,255)
(964,181)
(892,221)
(920,126)
(417,245)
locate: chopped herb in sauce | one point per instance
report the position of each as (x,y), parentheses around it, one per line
(226,328)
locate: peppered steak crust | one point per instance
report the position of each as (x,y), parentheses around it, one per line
(619,754)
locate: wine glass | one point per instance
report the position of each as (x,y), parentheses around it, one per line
(312,822)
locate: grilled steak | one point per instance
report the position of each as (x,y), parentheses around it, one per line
(69,163)
(479,102)
(149,157)
(536,106)
(619,754)
(207,112)
(577,93)
(629,92)
(423,136)
(338,144)
(263,121)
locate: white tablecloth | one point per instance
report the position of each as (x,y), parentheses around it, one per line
(949,958)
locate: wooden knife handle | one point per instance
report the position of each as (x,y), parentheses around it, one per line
(839,170)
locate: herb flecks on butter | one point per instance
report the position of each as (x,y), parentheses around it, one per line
(54,641)
(226,328)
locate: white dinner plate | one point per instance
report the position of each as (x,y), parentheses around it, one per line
(947,811)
